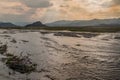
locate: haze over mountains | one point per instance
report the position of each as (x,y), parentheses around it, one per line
(7,24)
(95,22)
(65,23)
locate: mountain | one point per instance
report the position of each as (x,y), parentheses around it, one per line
(36,24)
(79,23)
(7,24)
(22,23)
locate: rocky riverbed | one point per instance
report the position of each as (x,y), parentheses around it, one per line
(59,55)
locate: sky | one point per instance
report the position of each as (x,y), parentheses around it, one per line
(48,11)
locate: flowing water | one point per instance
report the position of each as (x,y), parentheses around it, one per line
(63,55)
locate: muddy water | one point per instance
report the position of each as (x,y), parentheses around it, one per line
(62,57)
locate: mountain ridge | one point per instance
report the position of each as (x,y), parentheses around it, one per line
(7,24)
(67,23)
(36,24)
(79,23)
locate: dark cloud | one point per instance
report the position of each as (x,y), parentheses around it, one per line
(64,6)
(67,0)
(18,18)
(116,2)
(37,3)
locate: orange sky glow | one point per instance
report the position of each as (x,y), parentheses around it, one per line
(53,10)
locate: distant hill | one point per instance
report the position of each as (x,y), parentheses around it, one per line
(79,23)
(22,23)
(65,23)
(5,24)
(36,24)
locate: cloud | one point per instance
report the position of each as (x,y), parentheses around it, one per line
(9,7)
(116,2)
(83,9)
(23,10)
(32,3)
(37,3)
(52,10)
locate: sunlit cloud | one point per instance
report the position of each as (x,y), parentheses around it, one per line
(12,8)
(53,10)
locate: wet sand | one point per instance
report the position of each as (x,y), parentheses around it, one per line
(63,55)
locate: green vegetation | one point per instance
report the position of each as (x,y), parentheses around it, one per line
(3,49)
(86,29)
(82,29)
(21,64)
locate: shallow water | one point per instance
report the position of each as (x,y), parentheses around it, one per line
(64,57)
